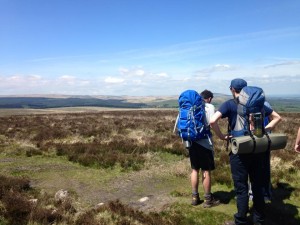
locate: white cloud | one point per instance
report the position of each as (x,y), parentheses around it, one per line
(140,72)
(222,66)
(15,78)
(84,82)
(67,79)
(164,75)
(284,63)
(21,80)
(215,68)
(34,77)
(137,82)
(124,71)
(113,80)
(133,72)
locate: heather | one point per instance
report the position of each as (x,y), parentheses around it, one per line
(116,158)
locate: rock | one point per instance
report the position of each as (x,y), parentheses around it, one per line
(99,205)
(144,199)
(61,195)
(33,201)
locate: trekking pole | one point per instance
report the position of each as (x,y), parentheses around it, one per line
(175,125)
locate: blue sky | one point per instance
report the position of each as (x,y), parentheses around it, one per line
(148,47)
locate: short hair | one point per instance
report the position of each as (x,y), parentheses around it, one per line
(206,94)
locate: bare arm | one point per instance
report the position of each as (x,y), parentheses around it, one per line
(297,144)
(214,125)
(275,119)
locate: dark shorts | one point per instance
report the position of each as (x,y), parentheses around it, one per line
(201,158)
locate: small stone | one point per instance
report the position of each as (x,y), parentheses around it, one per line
(144,199)
(61,195)
(99,205)
(33,201)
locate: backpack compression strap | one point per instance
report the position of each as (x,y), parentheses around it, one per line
(252,136)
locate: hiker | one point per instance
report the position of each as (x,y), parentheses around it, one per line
(200,149)
(202,157)
(244,165)
(268,184)
(297,143)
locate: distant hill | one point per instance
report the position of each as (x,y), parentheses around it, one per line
(46,102)
(285,104)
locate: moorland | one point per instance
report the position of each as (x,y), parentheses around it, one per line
(121,166)
(281,103)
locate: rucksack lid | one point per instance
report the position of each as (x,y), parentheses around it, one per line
(252,98)
(189,98)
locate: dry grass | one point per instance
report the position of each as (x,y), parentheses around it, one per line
(95,139)
(130,139)
(109,138)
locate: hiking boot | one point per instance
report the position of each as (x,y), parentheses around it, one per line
(195,199)
(210,201)
(229,223)
(267,200)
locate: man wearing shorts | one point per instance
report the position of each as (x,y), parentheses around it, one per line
(202,157)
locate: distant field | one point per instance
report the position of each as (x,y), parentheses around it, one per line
(8,112)
(280,104)
(64,110)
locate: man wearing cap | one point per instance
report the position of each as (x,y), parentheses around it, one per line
(244,165)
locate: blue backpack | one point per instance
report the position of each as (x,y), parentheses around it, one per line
(250,111)
(191,123)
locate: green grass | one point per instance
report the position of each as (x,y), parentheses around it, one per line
(192,215)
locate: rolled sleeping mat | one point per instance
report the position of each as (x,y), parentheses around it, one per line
(245,144)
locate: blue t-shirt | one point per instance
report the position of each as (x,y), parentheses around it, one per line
(229,110)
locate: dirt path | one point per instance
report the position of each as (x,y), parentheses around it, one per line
(147,190)
(144,190)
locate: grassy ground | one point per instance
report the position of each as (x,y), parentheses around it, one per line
(153,188)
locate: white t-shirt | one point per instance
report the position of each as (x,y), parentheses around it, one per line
(209,112)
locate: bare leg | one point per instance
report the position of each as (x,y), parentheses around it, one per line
(210,200)
(195,180)
(206,182)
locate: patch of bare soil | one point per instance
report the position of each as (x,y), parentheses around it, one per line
(146,190)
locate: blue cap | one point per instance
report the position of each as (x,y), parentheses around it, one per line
(238,84)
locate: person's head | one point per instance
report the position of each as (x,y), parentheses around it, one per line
(207,95)
(236,85)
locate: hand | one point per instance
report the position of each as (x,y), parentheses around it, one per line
(226,137)
(297,148)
